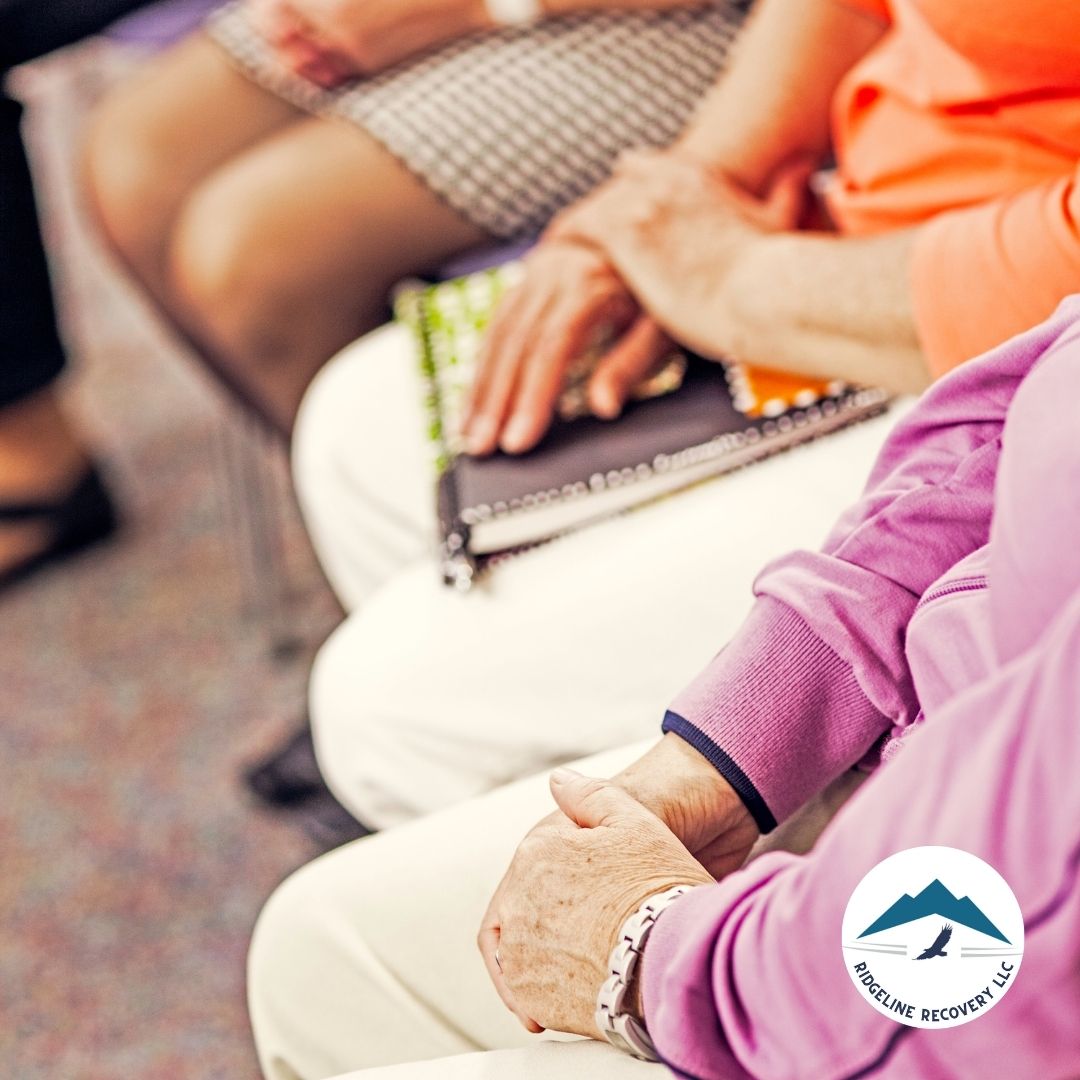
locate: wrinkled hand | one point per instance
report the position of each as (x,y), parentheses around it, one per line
(674,231)
(330,41)
(570,297)
(643,259)
(574,881)
(695,802)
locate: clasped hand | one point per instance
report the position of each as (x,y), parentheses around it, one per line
(643,260)
(581,872)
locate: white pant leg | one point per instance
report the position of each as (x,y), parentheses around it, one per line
(427,697)
(362,467)
(368,955)
(572,1061)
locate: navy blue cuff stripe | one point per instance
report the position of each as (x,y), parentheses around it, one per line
(725,766)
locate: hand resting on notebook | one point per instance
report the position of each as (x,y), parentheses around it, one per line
(569,295)
(706,240)
(575,289)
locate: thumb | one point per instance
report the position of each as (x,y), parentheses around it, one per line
(591,803)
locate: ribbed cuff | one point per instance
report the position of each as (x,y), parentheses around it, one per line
(778,713)
(723,763)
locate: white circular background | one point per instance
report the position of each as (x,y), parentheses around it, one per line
(970,964)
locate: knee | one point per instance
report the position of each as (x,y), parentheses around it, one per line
(353,520)
(291,959)
(279,941)
(359,715)
(228,281)
(341,710)
(329,433)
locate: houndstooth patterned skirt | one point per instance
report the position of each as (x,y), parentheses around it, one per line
(510,126)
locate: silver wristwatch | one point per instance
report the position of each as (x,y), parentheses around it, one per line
(620,1028)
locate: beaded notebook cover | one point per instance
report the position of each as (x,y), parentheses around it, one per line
(695,420)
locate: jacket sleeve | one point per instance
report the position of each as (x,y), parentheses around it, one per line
(818,673)
(1022,250)
(747,978)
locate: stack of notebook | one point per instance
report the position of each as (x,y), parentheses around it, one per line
(696,420)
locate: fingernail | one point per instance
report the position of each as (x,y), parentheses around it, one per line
(607,405)
(481,431)
(516,435)
(564,776)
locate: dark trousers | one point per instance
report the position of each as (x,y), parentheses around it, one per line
(31,354)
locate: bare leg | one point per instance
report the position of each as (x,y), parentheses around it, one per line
(158,135)
(287,253)
(270,237)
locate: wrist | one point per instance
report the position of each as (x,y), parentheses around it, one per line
(682,788)
(619,1011)
(748,302)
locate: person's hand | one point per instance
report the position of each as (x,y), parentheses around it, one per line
(296,44)
(687,793)
(574,881)
(569,302)
(698,811)
(332,40)
(674,231)
(640,260)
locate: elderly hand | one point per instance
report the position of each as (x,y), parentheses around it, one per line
(569,297)
(675,233)
(329,41)
(573,882)
(643,257)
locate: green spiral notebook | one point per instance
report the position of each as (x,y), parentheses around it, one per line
(696,420)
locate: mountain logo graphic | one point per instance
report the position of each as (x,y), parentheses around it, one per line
(935,899)
(932,937)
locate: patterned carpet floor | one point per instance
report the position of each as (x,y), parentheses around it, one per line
(134,684)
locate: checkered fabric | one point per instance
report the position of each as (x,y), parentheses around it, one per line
(510,126)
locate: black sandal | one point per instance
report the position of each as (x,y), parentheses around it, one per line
(81,519)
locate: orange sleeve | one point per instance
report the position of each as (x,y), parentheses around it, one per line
(983,274)
(878,9)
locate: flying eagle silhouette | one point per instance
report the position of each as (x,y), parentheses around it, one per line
(938,947)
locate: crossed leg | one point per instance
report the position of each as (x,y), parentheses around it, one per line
(269,236)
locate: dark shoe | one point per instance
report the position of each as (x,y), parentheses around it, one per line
(289,774)
(81,519)
(289,780)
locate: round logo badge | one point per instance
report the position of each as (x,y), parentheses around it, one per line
(933,937)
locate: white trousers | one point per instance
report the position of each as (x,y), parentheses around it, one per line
(367,957)
(425,697)
(577,1061)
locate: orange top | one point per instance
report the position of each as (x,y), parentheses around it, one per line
(968,112)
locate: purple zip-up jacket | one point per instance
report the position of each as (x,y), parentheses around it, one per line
(944,609)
